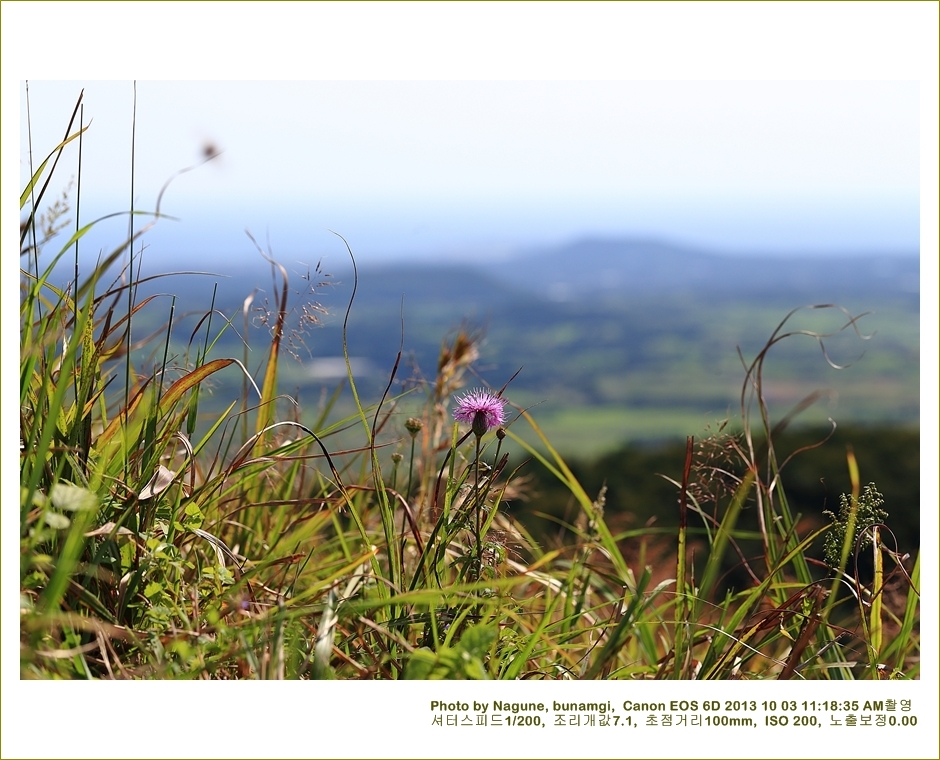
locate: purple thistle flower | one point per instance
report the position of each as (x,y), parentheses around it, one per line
(481,409)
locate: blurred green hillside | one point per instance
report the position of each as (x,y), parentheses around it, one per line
(602,366)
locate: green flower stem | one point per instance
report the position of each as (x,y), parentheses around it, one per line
(476,490)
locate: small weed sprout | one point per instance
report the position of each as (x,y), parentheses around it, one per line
(856,522)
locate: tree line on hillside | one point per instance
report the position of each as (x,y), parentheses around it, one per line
(634,484)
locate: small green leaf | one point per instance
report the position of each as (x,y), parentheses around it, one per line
(420,665)
(193,517)
(478,639)
(153,589)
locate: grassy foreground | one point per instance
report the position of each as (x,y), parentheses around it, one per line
(155,543)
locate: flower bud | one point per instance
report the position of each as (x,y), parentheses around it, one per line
(479,425)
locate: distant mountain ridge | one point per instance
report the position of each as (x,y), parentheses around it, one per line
(589,268)
(637,266)
(616,339)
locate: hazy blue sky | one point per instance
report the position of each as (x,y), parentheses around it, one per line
(475,129)
(440,167)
